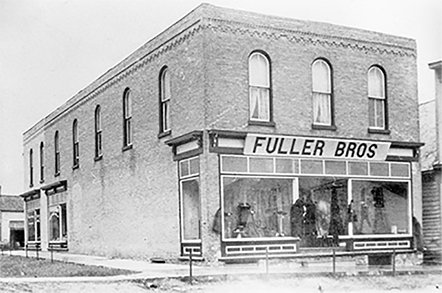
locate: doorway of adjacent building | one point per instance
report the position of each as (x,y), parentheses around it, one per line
(17,238)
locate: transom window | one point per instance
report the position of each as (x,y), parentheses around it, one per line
(165,95)
(127,118)
(322,93)
(259,87)
(376,98)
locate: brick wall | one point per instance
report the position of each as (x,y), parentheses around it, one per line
(126,204)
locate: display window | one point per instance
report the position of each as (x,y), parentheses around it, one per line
(257,207)
(57,223)
(317,202)
(33,220)
(190,199)
(320,214)
(380,207)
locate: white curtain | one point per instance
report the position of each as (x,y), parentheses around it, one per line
(321,108)
(259,103)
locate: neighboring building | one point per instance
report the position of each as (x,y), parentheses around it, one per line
(229,134)
(431,162)
(12,231)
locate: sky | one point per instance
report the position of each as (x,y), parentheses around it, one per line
(52,49)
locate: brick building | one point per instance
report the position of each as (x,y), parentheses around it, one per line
(229,134)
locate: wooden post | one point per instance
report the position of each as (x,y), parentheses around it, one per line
(190,266)
(394,262)
(334,261)
(267,260)
(26,250)
(52,253)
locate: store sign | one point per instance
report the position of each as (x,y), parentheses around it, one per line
(273,145)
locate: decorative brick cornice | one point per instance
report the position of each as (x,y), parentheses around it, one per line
(91,92)
(298,36)
(156,48)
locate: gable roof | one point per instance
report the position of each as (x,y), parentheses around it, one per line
(11,203)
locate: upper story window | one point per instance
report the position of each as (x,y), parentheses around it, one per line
(31,168)
(127,118)
(75,144)
(259,87)
(98,139)
(56,154)
(165,94)
(322,93)
(42,163)
(376,99)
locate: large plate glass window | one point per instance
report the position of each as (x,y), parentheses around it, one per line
(190,199)
(57,223)
(33,220)
(256,207)
(380,207)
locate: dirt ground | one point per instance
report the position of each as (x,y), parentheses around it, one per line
(410,283)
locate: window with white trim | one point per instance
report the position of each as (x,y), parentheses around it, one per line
(42,163)
(98,131)
(33,224)
(376,98)
(31,168)
(127,118)
(56,154)
(259,88)
(190,199)
(165,95)
(58,223)
(322,93)
(75,144)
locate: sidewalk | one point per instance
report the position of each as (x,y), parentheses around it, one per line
(151,271)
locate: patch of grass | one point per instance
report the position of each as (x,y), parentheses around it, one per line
(18,266)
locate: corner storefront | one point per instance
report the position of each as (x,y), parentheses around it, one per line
(283,195)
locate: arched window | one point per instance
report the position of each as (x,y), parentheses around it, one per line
(31,168)
(376,98)
(322,93)
(42,163)
(165,95)
(56,154)
(98,139)
(127,117)
(259,87)
(75,144)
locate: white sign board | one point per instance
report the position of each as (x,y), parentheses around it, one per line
(313,147)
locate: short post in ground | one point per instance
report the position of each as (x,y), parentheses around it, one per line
(334,261)
(393,262)
(190,266)
(267,260)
